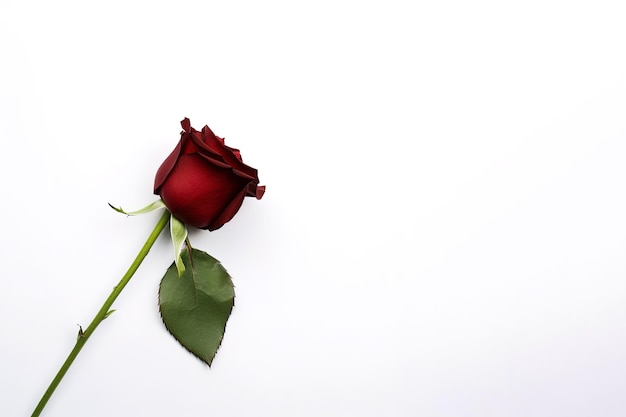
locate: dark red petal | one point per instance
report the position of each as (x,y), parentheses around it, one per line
(211,159)
(197,192)
(216,144)
(210,147)
(252,190)
(167,165)
(188,147)
(186,124)
(236,153)
(259,192)
(228,212)
(203,149)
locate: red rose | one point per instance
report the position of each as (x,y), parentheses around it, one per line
(203,182)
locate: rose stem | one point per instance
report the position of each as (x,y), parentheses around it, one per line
(102,314)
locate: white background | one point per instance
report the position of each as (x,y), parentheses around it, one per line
(443,232)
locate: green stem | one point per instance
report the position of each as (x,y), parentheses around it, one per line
(103,313)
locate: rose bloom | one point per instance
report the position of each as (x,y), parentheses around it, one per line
(203,182)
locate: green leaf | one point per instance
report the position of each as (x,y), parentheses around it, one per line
(196,306)
(178,230)
(155,205)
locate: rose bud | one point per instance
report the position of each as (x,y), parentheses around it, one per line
(203,182)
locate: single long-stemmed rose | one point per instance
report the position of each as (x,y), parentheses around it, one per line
(202,184)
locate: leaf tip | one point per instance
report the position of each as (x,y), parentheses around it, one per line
(118,209)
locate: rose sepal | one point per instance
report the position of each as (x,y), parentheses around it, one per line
(179,233)
(155,205)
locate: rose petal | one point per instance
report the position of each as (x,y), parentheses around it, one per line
(186,124)
(167,166)
(228,212)
(197,192)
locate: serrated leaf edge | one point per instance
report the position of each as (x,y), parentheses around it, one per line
(203,360)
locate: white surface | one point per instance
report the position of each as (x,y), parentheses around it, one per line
(443,232)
